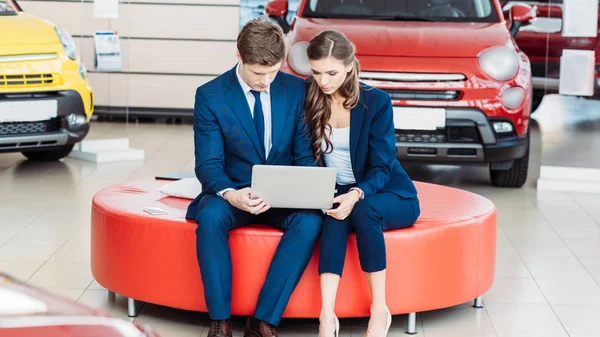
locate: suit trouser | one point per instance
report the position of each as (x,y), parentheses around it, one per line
(369,218)
(216,217)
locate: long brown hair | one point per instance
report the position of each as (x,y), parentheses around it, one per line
(329,43)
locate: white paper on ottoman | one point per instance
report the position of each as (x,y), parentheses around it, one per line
(187,188)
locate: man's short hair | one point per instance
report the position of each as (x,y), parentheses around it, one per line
(261,42)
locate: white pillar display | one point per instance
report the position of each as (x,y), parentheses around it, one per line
(580,18)
(577,67)
(577,72)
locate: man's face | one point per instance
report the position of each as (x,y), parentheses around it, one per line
(257,76)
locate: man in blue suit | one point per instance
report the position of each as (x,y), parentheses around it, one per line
(252,114)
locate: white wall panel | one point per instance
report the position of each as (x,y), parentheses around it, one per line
(146,91)
(168,56)
(188,22)
(169,47)
(77,18)
(144,20)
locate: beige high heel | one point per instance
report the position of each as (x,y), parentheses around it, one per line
(336,333)
(388,322)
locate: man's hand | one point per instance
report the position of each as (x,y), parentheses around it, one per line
(347,202)
(241,199)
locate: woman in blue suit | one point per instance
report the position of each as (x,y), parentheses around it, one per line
(352,130)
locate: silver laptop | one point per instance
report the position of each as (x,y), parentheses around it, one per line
(294,186)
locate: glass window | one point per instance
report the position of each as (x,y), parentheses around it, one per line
(531,2)
(6,8)
(404,10)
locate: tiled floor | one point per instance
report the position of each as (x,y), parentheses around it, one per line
(548,267)
(570,123)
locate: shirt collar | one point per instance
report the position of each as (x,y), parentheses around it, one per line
(245,87)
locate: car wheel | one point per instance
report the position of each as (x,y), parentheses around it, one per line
(516,176)
(49,155)
(536,100)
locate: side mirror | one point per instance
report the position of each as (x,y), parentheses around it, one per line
(278,11)
(520,15)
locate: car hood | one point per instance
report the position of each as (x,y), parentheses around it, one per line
(24,28)
(26,311)
(411,39)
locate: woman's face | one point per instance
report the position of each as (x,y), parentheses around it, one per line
(329,73)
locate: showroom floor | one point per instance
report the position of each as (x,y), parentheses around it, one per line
(548,266)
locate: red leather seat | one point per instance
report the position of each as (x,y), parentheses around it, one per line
(447,258)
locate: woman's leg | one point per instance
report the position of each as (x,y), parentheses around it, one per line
(374,214)
(334,238)
(329,324)
(380,319)
(370,217)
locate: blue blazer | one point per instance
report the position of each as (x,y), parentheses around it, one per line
(225,139)
(373,146)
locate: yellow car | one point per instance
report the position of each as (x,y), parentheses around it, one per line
(45,99)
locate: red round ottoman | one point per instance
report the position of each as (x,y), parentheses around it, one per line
(446,259)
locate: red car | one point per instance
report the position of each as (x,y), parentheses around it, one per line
(544,44)
(460,85)
(26,311)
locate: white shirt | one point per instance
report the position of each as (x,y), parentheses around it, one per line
(340,155)
(265,99)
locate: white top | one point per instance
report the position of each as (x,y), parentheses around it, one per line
(265,99)
(340,156)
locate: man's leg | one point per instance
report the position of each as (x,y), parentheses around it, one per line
(301,231)
(215,218)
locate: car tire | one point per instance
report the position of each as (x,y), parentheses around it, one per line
(49,155)
(516,176)
(536,100)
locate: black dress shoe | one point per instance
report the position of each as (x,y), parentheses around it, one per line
(262,329)
(220,329)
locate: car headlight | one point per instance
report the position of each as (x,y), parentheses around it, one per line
(298,60)
(76,121)
(67,42)
(502,127)
(82,70)
(500,63)
(513,97)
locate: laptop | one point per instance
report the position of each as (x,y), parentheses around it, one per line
(294,186)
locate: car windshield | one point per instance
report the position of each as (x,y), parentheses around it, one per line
(404,10)
(6,8)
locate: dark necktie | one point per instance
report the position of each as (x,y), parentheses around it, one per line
(259,119)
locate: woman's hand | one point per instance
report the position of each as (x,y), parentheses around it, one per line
(347,202)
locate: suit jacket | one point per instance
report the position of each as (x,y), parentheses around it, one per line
(225,139)
(373,146)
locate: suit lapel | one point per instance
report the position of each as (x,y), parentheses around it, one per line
(278,114)
(236,98)
(357,116)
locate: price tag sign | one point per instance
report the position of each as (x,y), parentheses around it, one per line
(108,51)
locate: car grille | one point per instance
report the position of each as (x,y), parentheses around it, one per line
(25,81)
(451,134)
(25,128)
(424,95)
(421,136)
(411,77)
